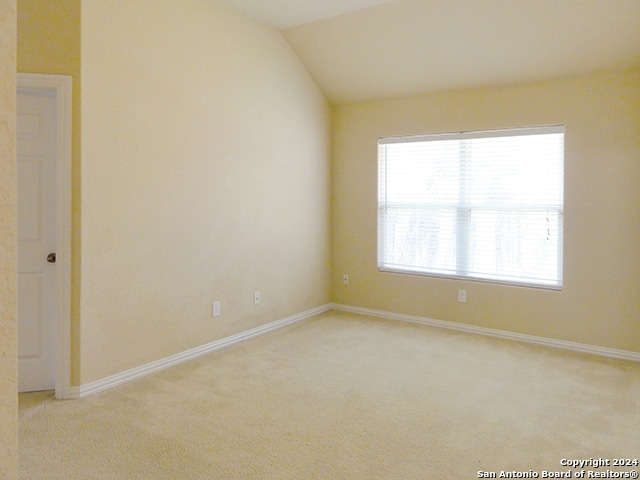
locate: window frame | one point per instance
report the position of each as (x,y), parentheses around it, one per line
(463,210)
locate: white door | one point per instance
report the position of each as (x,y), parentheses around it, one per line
(36,144)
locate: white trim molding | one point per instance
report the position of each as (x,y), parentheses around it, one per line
(61,87)
(137,373)
(490,332)
(173,360)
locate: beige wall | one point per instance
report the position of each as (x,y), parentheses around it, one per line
(49,42)
(211,183)
(600,302)
(205,176)
(8,226)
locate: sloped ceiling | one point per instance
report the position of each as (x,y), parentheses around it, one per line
(283,14)
(364,50)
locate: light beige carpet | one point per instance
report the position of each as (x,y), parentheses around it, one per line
(342,396)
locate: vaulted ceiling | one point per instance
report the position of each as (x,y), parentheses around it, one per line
(363,50)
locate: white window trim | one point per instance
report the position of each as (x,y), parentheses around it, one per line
(462,241)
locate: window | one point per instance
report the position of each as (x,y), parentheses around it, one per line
(474,205)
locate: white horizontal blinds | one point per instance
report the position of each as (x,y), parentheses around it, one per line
(486,205)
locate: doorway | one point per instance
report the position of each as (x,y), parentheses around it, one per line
(44,232)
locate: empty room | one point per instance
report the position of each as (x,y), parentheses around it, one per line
(345,239)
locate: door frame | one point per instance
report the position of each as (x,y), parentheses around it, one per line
(61,87)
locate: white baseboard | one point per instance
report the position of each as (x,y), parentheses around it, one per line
(154,367)
(490,332)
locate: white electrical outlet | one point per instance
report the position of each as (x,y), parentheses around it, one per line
(215,309)
(345,278)
(462,296)
(256,298)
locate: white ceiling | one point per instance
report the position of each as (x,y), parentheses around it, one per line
(290,13)
(361,50)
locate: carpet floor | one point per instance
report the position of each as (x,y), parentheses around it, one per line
(345,396)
